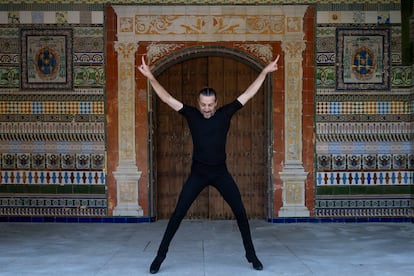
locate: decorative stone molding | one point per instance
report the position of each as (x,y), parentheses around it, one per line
(156,51)
(209,23)
(263,51)
(127,174)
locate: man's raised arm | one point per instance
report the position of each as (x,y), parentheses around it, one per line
(159,90)
(255,86)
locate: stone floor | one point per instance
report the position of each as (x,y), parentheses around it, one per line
(207,248)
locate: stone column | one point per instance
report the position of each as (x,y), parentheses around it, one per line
(127,174)
(293,174)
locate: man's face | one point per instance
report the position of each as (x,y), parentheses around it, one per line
(207,105)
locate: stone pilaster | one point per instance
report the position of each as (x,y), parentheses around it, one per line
(293,174)
(127,174)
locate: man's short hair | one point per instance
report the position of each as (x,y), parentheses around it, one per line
(208,91)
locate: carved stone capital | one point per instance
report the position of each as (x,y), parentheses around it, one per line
(126,50)
(293,48)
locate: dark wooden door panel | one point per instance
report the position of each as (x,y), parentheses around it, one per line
(245,145)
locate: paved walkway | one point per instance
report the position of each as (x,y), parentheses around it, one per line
(207,248)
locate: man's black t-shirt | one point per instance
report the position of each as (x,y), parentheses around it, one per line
(210,135)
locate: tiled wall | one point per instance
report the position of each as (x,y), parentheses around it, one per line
(364,160)
(52,143)
(52,149)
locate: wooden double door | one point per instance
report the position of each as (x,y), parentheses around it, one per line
(246,144)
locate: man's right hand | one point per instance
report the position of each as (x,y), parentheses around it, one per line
(145,69)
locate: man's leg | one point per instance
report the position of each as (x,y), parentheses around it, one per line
(191,189)
(231,194)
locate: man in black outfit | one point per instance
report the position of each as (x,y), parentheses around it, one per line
(208,128)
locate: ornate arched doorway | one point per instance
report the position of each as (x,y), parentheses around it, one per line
(248,137)
(158,33)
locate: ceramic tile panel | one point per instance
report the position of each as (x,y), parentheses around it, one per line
(53,142)
(363,136)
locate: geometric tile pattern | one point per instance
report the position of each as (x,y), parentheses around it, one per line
(51,107)
(363,108)
(360,202)
(48,162)
(364,132)
(53,206)
(353,162)
(359,148)
(52,177)
(359,206)
(365,169)
(365,178)
(45,201)
(48,131)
